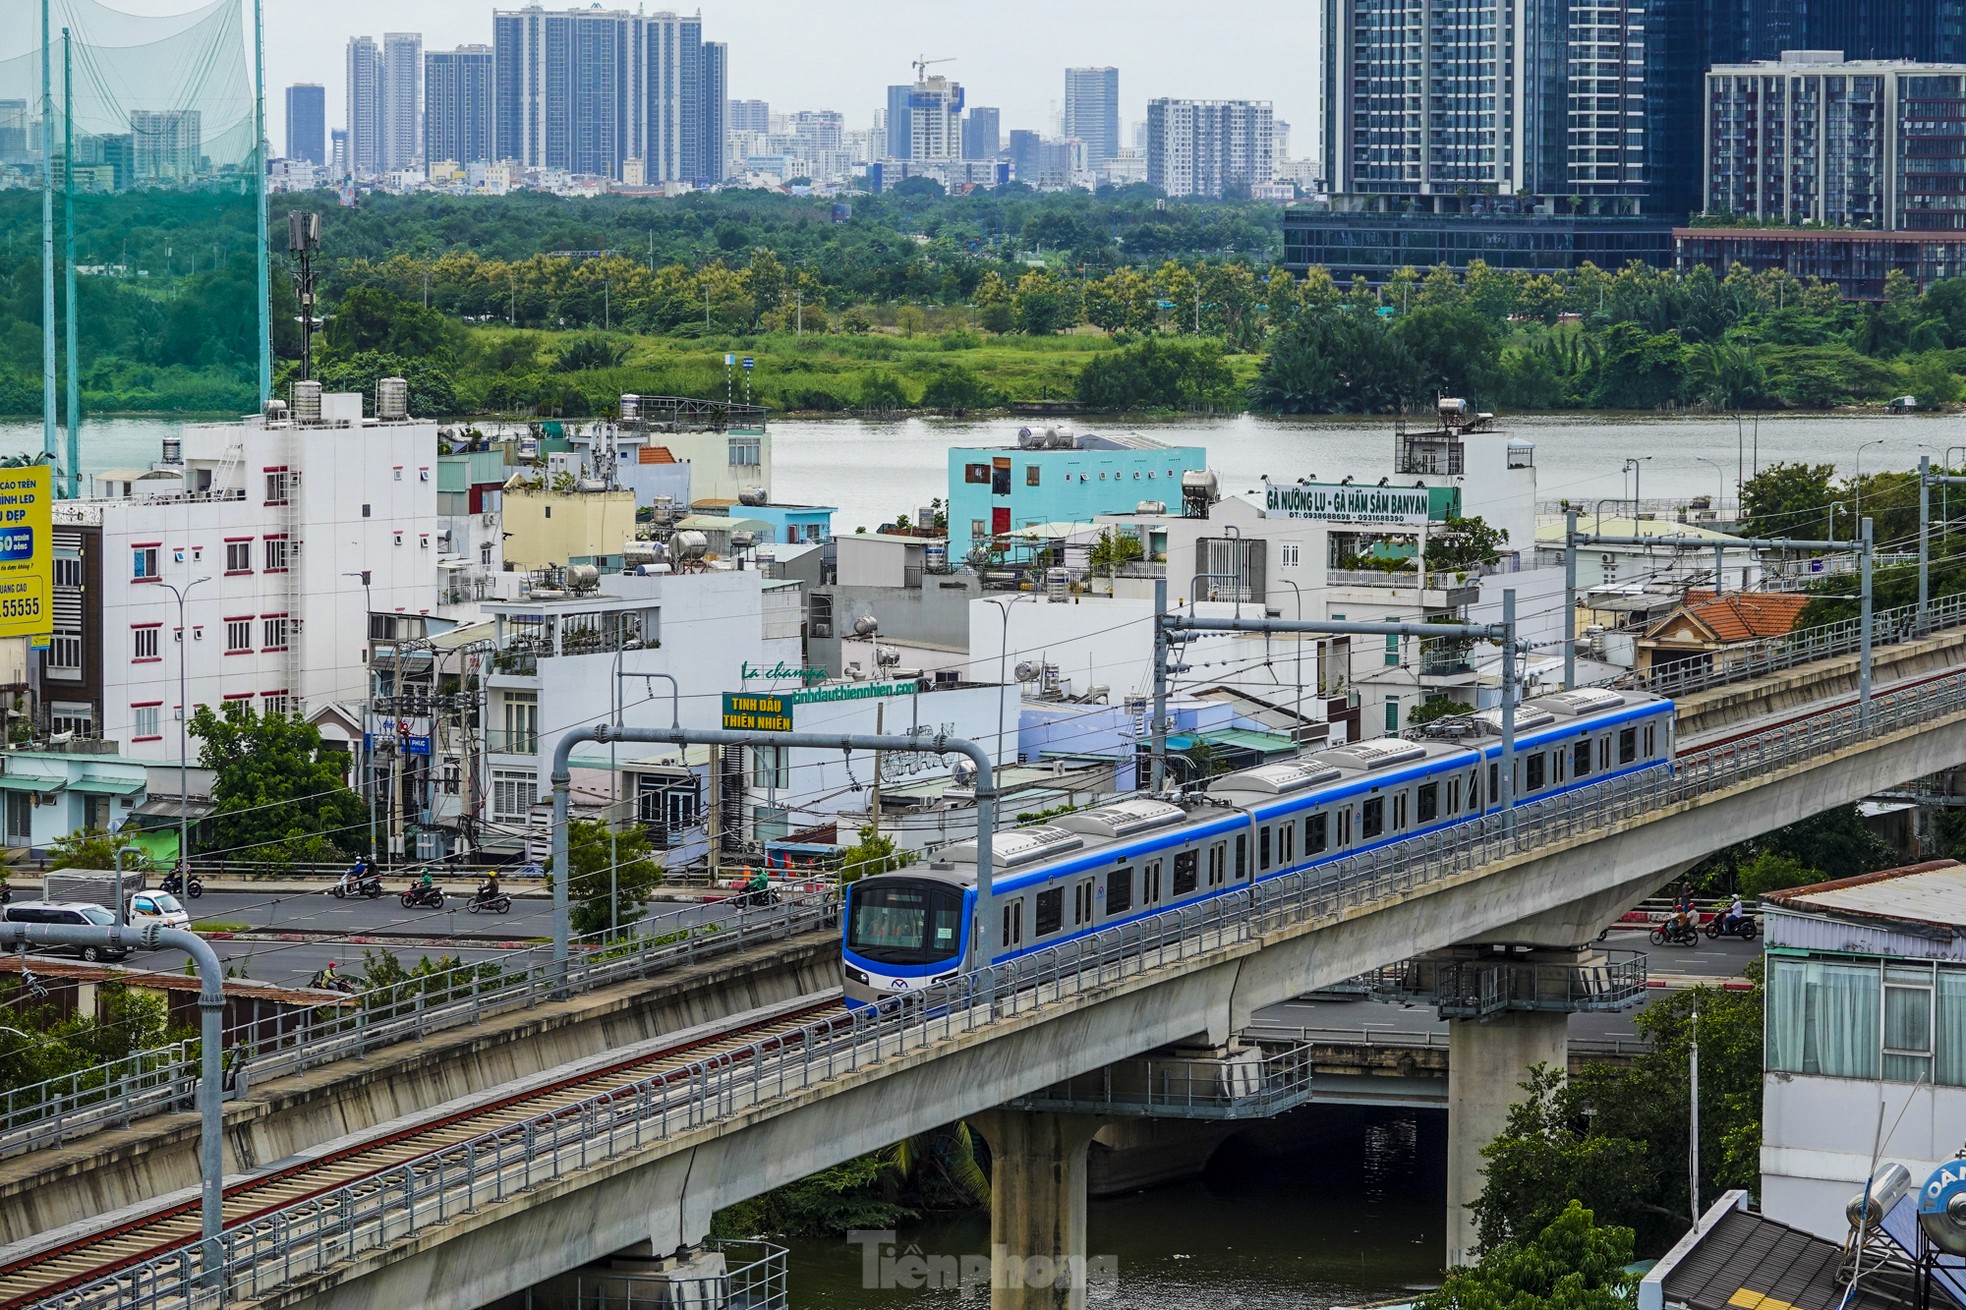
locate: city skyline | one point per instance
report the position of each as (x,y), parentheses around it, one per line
(772,47)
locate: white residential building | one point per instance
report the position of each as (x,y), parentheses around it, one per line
(1865,1052)
(1209,147)
(269,529)
(557,656)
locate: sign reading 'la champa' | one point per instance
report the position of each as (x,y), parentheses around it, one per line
(1344,503)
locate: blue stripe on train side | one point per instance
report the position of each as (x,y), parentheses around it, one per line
(1243,820)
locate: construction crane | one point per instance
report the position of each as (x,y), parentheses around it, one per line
(922,63)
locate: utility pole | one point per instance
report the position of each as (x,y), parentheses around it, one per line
(1570,600)
(260,251)
(49,446)
(1508,710)
(716,829)
(1868,635)
(74,460)
(1926,481)
(1693,1111)
(1159,708)
(880,729)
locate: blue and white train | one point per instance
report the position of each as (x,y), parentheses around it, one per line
(1133,857)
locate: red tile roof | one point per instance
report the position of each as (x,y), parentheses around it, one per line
(1745,615)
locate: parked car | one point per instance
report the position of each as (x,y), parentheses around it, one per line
(66,913)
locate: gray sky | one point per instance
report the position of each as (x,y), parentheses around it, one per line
(839,54)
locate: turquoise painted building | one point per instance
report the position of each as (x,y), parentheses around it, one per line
(1059,477)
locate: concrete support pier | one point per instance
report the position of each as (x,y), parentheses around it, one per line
(1037,1207)
(1487,1061)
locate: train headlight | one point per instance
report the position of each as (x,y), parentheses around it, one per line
(857,976)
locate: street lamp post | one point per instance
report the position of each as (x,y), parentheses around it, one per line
(1003,655)
(1720,481)
(1858,480)
(1632,467)
(183,713)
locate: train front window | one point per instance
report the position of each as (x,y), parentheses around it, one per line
(906,923)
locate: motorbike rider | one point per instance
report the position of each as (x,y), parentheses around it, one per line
(488,889)
(1731,921)
(329,979)
(356,874)
(757,888)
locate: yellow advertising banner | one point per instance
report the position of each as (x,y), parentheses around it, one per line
(26,551)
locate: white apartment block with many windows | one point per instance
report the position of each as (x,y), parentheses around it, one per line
(267,533)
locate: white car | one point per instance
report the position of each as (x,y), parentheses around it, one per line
(160,908)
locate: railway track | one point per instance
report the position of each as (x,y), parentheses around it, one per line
(42,1277)
(1723,737)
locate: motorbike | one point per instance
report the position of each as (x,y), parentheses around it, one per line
(368,885)
(749,900)
(6,894)
(431,897)
(1718,927)
(495,904)
(175,885)
(1672,934)
(339,983)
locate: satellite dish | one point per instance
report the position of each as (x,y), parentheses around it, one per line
(1027,671)
(866,626)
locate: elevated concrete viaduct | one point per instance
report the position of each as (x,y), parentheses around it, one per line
(664,1188)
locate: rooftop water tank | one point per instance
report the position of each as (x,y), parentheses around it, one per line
(307,402)
(1942,1207)
(689,545)
(583,577)
(392,399)
(1151,507)
(1867,1208)
(631,407)
(753,496)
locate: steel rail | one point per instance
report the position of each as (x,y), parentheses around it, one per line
(308,1238)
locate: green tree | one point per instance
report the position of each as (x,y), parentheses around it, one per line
(278,796)
(1572,1263)
(1465,543)
(1789,500)
(1114,550)
(1159,373)
(600,902)
(91,848)
(872,854)
(372,318)
(1931,381)
(1042,303)
(958,390)
(1616,1139)
(1435,706)
(591,350)
(125,1023)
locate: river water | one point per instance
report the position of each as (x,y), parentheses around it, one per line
(1326,1206)
(872,471)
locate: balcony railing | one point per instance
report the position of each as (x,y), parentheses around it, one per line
(501,741)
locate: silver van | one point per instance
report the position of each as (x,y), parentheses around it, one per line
(66,914)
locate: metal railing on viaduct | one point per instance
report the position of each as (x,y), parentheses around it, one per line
(383,1209)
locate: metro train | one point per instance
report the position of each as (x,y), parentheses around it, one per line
(1123,860)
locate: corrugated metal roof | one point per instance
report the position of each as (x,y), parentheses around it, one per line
(1746,1261)
(1930,895)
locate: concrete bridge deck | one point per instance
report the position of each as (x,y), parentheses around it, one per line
(651,1163)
